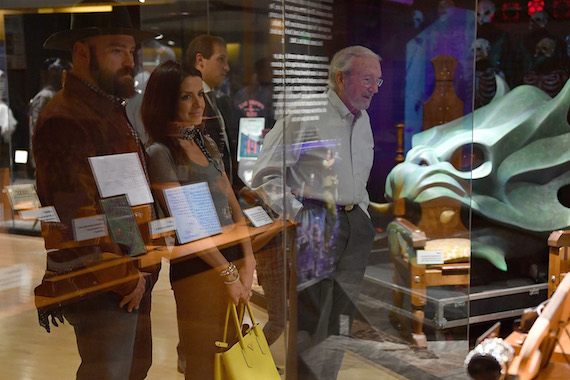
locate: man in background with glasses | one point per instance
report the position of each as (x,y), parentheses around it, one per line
(328,157)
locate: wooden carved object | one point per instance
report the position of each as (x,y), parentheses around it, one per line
(443,105)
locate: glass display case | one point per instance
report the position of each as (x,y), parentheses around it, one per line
(394,167)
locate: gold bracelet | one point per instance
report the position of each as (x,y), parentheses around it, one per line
(232,277)
(229,270)
(236,279)
(230,274)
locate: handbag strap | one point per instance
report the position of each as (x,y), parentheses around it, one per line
(225,340)
(237,321)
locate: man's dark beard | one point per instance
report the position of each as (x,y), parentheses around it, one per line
(117,84)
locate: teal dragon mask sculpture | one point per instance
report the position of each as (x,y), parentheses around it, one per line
(514,176)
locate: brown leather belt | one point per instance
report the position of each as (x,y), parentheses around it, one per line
(347,208)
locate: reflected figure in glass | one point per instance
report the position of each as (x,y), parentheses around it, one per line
(54,70)
(328,160)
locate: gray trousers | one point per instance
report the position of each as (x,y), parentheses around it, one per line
(113,343)
(322,305)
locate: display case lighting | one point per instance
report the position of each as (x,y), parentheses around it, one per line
(21,156)
(78,9)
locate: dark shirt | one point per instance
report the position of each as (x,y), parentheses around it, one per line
(219,118)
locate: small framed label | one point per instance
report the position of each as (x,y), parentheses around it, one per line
(45,214)
(91,227)
(258,216)
(160,227)
(430,257)
(23,197)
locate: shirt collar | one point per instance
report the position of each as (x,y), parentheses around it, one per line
(206,87)
(341,108)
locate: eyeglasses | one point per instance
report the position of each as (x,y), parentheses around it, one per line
(368,82)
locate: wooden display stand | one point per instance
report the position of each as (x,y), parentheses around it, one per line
(92,278)
(544,353)
(5,181)
(231,235)
(558,258)
(418,277)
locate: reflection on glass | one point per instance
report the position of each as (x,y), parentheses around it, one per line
(460,225)
(89,278)
(328,160)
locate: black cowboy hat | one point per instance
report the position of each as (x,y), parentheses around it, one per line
(85,25)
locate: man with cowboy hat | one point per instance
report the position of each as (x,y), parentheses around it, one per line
(86,119)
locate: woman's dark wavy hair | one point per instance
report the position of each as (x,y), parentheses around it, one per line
(159,108)
(161,98)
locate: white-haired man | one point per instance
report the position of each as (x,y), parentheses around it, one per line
(328,162)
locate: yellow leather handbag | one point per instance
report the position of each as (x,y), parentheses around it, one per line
(249,358)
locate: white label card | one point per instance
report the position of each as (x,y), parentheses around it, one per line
(430,257)
(258,216)
(193,208)
(23,197)
(160,226)
(90,227)
(118,174)
(45,214)
(14,276)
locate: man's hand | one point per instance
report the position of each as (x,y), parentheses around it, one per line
(133,299)
(44,314)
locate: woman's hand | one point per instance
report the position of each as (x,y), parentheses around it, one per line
(240,291)
(237,292)
(246,273)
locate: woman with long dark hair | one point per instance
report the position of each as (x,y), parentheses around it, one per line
(180,154)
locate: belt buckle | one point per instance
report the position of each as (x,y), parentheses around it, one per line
(348,207)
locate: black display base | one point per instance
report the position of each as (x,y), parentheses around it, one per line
(448,307)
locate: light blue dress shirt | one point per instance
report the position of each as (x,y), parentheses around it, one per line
(308,146)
